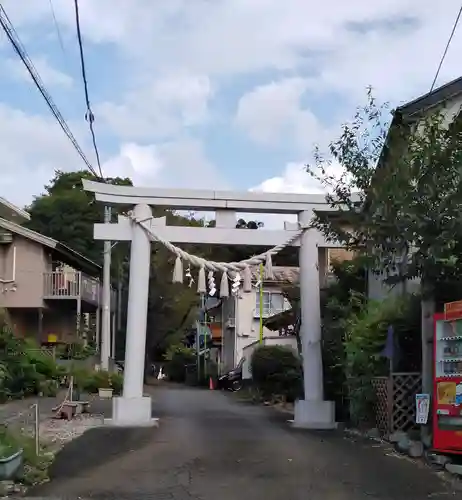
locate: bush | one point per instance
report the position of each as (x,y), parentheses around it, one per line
(90,381)
(365,337)
(35,466)
(178,357)
(75,350)
(277,371)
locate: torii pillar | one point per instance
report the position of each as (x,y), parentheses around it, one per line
(312,412)
(133,408)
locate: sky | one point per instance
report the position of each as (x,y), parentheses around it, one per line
(210,94)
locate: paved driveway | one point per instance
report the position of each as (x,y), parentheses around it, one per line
(208,447)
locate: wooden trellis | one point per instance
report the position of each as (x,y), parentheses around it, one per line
(395,401)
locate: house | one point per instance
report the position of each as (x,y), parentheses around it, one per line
(233,323)
(446,99)
(48,290)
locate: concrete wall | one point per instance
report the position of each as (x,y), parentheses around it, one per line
(31,262)
(247,325)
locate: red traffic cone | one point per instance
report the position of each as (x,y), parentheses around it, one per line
(211,386)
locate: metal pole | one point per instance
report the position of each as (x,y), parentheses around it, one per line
(261,303)
(36,428)
(198,363)
(113,337)
(119,299)
(106,319)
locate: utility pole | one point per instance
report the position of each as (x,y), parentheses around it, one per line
(106,319)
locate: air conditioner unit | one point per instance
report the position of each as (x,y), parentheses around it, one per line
(6,237)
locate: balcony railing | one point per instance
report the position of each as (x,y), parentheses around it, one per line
(71,285)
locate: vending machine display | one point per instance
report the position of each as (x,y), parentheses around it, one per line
(447,401)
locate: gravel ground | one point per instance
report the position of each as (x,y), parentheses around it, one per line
(209,447)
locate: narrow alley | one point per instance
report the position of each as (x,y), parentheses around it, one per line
(210,447)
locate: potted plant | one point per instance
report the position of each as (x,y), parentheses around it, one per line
(105,388)
(11,455)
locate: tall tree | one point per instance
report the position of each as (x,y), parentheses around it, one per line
(67,213)
(407,181)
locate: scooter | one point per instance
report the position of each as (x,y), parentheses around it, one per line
(232,380)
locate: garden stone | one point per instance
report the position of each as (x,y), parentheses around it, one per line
(404,444)
(416,449)
(439,460)
(373,433)
(397,436)
(454,469)
(6,487)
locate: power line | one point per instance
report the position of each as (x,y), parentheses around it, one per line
(58,31)
(89,116)
(106,314)
(20,50)
(451,36)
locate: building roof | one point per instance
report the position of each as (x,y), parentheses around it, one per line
(13,213)
(282,274)
(68,255)
(431,99)
(409,112)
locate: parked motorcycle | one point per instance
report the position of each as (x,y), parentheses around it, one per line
(232,380)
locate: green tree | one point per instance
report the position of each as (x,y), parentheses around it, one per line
(407,181)
(67,213)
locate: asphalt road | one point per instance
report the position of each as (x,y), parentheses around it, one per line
(210,447)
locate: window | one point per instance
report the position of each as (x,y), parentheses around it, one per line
(273,303)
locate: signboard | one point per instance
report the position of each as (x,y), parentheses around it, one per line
(422,402)
(453,310)
(52,338)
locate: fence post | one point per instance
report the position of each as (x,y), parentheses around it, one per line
(390,403)
(36,428)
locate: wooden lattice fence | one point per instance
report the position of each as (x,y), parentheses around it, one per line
(395,401)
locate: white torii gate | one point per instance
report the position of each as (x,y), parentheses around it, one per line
(132,408)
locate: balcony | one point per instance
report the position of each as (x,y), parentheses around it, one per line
(74,285)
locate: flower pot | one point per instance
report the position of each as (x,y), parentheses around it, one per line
(9,466)
(105,392)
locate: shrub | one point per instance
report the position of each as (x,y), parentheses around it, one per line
(178,357)
(365,336)
(35,466)
(75,350)
(24,368)
(90,381)
(277,371)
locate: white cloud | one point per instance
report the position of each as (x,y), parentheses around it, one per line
(273,115)
(31,148)
(159,107)
(295,179)
(175,164)
(173,55)
(343,46)
(51,76)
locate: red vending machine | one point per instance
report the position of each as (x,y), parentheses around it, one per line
(447,390)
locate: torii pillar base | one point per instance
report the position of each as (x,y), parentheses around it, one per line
(314,414)
(132,412)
